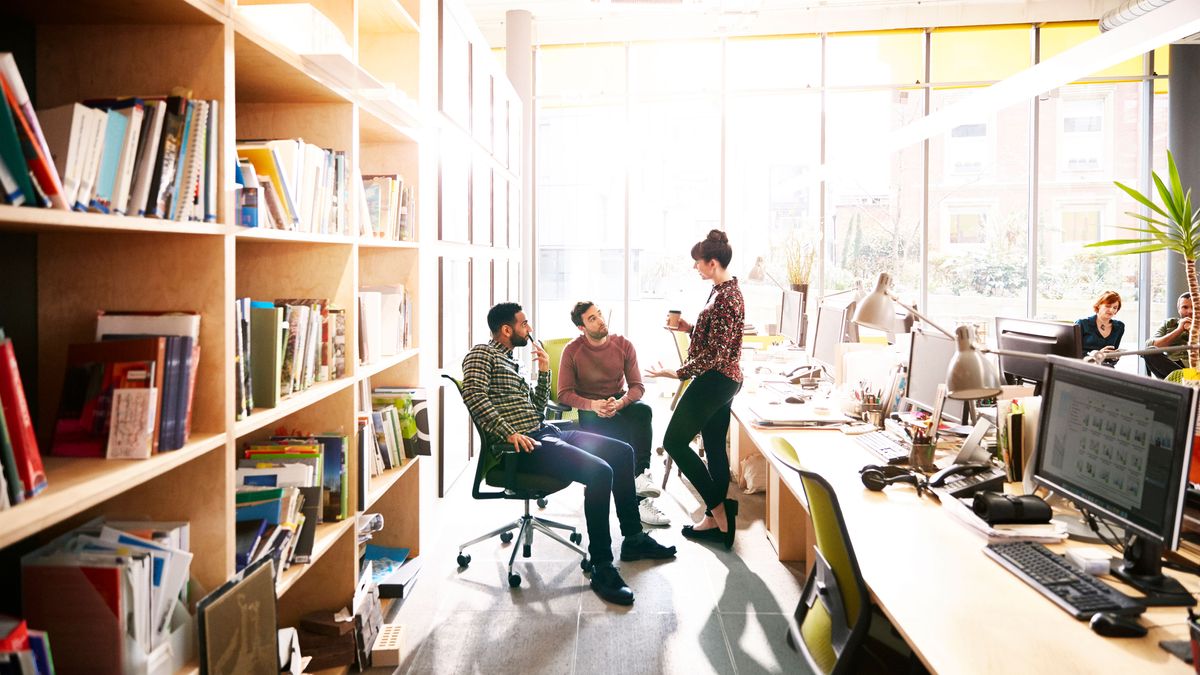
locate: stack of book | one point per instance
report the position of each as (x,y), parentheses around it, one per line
(385,321)
(129,394)
(388,208)
(284,347)
(24,651)
(289,184)
(285,487)
(111,595)
(22,476)
(151,156)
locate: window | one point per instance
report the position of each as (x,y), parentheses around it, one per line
(969,150)
(1081,135)
(1080,224)
(967,227)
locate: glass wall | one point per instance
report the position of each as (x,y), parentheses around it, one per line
(781,141)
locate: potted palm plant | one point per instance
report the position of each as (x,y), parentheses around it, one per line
(799,258)
(1175,226)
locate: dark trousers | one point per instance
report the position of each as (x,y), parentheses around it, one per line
(604,466)
(631,424)
(704,409)
(1159,365)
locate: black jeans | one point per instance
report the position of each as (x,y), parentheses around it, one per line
(704,409)
(631,424)
(604,466)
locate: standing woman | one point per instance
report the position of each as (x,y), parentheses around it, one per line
(712,360)
(1101,331)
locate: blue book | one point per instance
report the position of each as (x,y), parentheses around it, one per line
(177,190)
(110,160)
(269,511)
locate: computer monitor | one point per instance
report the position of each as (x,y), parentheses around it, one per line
(1118,445)
(791,317)
(928,360)
(830,331)
(1037,337)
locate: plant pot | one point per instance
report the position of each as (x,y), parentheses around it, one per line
(803,289)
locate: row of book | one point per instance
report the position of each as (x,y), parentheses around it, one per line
(152,156)
(284,347)
(384,321)
(112,595)
(285,488)
(129,394)
(394,431)
(24,651)
(388,207)
(22,475)
(289,184)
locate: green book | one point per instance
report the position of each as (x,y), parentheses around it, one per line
(266,353)
(258,495)
(14,159)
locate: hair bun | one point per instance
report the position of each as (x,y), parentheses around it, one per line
(718,236)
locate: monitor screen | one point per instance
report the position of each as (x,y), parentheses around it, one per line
(791,317)
(829,332)
(1117,444)
(1037,337)
(928,361)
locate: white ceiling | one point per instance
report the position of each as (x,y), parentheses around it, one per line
(574,21)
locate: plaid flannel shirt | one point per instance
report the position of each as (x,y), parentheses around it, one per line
(498,397)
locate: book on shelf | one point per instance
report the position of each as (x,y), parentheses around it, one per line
(15,179)
(26,456)
(412,405)
(393,331)
(29,132)
(389,201)
(303,187)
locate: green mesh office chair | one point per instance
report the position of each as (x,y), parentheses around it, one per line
(834,613)
(515,485)
(555,410)
(683,342)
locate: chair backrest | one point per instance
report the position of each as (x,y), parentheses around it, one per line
(480,465)
(683,342)
(554,348)
(829,642)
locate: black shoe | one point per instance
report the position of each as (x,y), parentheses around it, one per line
(610,586)
(642,546)
(731,511)
(711,534)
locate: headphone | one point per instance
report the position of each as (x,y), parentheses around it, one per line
(876,477)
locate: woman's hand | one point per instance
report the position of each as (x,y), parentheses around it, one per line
(683,326)
(659,370)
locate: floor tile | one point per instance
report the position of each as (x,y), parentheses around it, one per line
(632,643)
(546,586)
(499,642)
(759,644)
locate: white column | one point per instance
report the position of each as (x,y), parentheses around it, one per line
(518,51)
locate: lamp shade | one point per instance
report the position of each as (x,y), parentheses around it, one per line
(877,310)
(970,375)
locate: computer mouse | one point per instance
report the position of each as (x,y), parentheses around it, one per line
(795,399)
(1110,624)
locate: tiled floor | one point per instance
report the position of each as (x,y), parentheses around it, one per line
(707,611)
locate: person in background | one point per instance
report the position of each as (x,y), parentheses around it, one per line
(1100,330)
(1172,333)
(595,370)
(713,360)
(503,405)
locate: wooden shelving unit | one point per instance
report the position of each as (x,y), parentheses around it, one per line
(98,48)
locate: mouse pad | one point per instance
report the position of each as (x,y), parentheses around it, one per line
(1180,648)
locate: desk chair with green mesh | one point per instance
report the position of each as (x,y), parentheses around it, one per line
(683,341)
(834,615)
(522,486)
(555,410)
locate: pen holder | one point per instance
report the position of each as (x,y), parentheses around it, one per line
(920,457)
(872,413)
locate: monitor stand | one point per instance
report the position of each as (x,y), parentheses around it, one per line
(1142,569)
(1077,527)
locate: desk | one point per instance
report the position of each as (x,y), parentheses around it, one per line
(959,611)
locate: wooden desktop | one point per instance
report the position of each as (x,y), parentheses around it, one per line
(958,610)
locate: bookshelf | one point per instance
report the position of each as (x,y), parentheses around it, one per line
(72,50)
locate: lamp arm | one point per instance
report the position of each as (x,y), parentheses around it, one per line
(1011,352)
(921,316)
(1114,355)
(776,281)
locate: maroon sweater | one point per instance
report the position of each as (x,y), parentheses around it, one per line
(717,335)
(588,373)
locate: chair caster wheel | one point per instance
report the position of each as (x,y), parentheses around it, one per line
(542,503)
(576,538)
(506,537)
(514,580)
(526,550)
(586,565)
(464,559)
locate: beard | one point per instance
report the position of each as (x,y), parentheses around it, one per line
(598,335)
(520,340)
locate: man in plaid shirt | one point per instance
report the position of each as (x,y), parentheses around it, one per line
(503,405)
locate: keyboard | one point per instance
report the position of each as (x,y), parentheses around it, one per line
(883,446)
(1067,586)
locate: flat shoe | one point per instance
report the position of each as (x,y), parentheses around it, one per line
(731,511)
(712,534)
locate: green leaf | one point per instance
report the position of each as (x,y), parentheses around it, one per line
(1141,199)
(1173,171)
(1170,201)
(1149,248)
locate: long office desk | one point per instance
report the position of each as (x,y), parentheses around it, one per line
(958,610)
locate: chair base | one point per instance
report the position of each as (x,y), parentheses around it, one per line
(526,525)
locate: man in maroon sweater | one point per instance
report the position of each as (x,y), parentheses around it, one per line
(599,377)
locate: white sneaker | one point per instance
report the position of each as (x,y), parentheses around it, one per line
(651,515)
(643,486)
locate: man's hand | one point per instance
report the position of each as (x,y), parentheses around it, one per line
(522,442)
(659,370)
(543,359)
(607,407)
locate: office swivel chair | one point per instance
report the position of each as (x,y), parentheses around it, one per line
(834,613)
(515,485)
(555,410)
(683,341)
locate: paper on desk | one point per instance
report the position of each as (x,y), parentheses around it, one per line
(1049,533)
(796,414)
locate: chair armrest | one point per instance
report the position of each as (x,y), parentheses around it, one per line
(555,410)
